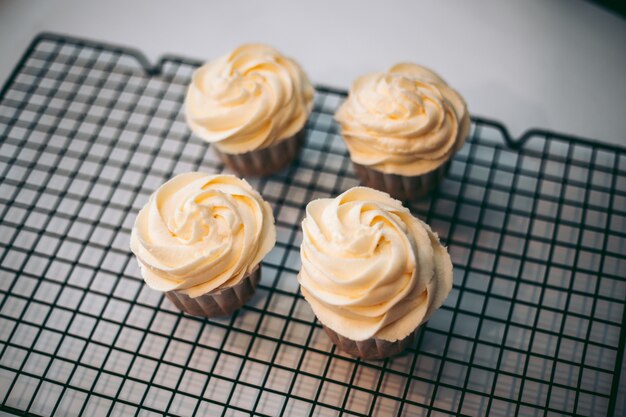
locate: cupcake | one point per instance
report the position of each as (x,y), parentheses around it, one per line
(371,272)
(402,128)
(200,240)
(251,105)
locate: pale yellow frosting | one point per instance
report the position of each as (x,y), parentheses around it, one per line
(369,268)
(201,232)
(406,121)
(249,99)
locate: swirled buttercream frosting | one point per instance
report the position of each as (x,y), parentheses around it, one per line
(201,232)
(248,99)
(405,121)
(369,268)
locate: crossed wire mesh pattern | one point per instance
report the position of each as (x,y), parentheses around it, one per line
(536,230)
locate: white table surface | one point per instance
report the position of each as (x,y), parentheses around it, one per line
(558,64)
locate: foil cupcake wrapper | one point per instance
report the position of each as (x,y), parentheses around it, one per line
(371,348)
(399,186)
(266,161)
(220,303)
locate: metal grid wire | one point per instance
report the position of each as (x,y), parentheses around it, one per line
(536,229)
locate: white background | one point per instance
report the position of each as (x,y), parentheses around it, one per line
(558,64)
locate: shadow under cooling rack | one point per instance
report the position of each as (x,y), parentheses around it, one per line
(536,228)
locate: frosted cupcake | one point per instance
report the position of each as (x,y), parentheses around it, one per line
(402,128)
(371,272)
(200,240)
(251,105)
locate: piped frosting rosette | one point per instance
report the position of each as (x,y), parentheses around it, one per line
(405,121)
(200,233)
(369,268)
(249,99)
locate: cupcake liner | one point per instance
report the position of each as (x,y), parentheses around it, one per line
(220,303)
(265,161)
(371,348)
(399,186)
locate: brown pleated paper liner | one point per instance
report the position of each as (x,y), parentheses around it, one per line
(266,161)
(220,303)
(399,186)
(371,348)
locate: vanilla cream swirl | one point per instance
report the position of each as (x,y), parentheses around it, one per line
(369,268)
(406,121)
(249,99)
(201,232)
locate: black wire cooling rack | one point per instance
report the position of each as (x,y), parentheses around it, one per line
(536,229)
